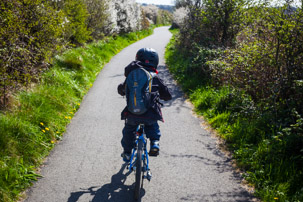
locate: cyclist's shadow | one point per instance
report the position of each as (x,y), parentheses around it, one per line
(115,191)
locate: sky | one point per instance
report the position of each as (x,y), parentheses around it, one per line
(157,2)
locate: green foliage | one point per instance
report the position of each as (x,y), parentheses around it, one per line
(263,129)
(211,22)
(267,62)
(29,32)
(194,65)
(76,27)
(164,17)
(144,22)
(97,17)
(223,20)
(33,31)
(38,117)
(267,65)
(152,14)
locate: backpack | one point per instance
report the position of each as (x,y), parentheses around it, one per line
(138,90)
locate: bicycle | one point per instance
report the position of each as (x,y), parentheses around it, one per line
(139,162)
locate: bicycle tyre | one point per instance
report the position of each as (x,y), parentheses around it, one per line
(138,170)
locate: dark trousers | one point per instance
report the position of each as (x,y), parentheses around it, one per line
(129,135)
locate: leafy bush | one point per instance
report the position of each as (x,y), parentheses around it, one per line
(179,16)
(97,18)
(156,15)
(145,24)
(29,33)
(164,17)
(125,16)
(251,92)
(151,13)
(77,16)
(211,23)
(267,63)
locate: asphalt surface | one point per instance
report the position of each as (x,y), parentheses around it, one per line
(86,165)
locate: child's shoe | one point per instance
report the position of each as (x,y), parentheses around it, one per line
(126,156)
(154,148)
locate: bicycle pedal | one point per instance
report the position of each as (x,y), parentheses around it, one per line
(148,176)
(154,152)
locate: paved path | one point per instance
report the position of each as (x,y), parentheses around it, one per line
(86,165)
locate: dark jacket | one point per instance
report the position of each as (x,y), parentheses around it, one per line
(159,91)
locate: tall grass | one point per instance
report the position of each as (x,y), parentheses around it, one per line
(39,115)
(266,156)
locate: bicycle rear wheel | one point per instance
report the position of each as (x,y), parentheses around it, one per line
(138,170)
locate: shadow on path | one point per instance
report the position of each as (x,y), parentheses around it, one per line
(115,191)
(178,97)
(235,196)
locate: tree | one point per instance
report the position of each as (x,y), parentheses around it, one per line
(212,22)
(179,16)
(77,14)
(98,17)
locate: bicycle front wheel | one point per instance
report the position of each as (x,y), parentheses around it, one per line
(138,170)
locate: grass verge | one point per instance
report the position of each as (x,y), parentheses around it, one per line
(267,157)
(38,116)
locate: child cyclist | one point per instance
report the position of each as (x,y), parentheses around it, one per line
(148,59)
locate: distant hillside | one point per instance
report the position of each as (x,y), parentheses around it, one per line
(164,7)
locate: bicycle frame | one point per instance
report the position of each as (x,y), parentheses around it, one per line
(140,137)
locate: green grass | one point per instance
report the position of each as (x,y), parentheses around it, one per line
(268,157)
(38,118)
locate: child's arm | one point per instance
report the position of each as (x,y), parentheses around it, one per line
(164,91)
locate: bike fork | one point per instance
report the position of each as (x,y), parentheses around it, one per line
(148,175)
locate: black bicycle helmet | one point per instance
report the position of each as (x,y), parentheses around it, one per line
(148,57)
